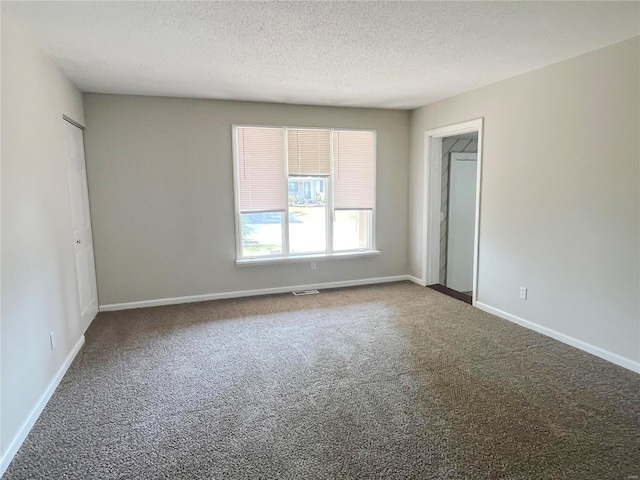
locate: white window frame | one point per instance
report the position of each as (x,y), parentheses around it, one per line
(286,256)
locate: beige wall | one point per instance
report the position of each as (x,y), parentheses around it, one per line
(161,191)
(39,289)
(560,195)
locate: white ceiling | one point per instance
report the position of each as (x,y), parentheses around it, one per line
(367,54)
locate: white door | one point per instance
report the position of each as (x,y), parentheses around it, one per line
(462,213)
(82,237)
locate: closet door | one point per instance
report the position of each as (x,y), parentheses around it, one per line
(81,220)
(462,223)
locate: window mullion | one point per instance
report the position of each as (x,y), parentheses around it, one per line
(285,221)
(329,198)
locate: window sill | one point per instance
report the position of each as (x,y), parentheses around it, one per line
(306,258)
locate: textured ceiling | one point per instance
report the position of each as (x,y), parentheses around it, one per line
(369,54)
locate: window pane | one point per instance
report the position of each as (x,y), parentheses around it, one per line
(352,230)
(309,152)
(307,216)
(262,234)
(261,167)
(354,167)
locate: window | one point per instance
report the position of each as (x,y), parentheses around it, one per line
(303,191)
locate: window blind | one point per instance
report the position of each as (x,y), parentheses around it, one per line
(353,181)
(261,169)
(309,152)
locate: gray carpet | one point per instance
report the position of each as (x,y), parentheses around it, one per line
(388,381)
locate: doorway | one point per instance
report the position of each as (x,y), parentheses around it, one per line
(452,209)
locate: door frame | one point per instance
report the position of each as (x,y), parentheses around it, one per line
(432,184)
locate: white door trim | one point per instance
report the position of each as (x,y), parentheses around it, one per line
(432,171)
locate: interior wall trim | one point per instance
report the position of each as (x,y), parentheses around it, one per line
(420,281)
(574,342)
(250,293)
(16,442)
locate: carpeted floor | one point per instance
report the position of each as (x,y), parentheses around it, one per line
(388,381)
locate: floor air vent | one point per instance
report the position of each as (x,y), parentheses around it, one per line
(306,292)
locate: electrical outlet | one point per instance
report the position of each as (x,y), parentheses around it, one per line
(313,265)
(523,293)
(52,340)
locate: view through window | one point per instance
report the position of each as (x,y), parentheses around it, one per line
(303,191)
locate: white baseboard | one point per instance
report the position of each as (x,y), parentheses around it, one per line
(574,342)
(27,425)
(417,280)
(250,293)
